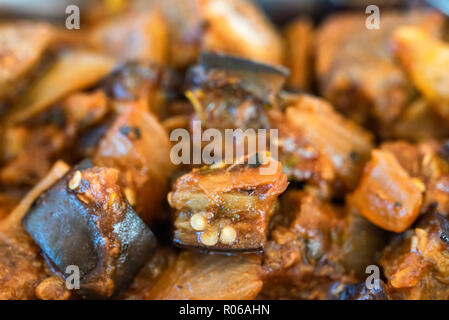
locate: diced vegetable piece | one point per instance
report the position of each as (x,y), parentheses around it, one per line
(133,36)
(141,80)
(240,28)
(217,72)
(226,208)
(83,110)
(362,243)
(185,29)
(343,142)
(358,291)
(299,36)
(233,93)
(71,72)
(137,145)
(425,58)
(302,258)
(196,276)
(416,262)
(84,220)
(355,66)
(387,195)
(22,45)
(301,160)
(53,288)
(420,122)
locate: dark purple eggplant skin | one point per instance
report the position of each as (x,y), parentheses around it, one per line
(130,80)
(66,231)
(216,70)
(444,227)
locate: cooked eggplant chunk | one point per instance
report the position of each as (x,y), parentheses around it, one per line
(197,276)
(415,263)
(185,30)
(427,163)
(21,267)
(218,70)
(302,161)
(356,69)
(142,80)
(302,258)
(238,93)
(362,243)
(425,57)
(226,208)
(138,146)
(387,195)
(229,92)
(84,110)
(21,48)
(84,220)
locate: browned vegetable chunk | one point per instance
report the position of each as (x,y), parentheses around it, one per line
(240,28)
(21,46)
(428,164)
(416,262)
(196,276)
(226,207)
(84,220)
(302,258)
(138,146)
(147,81)
(387,195)
(134,36)
(21,266)
(362,244)
(229,92)
(342,142)
(355,66)
(425,58)
(420,122)
(302,161)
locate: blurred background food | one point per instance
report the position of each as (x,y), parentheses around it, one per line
(363,175)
